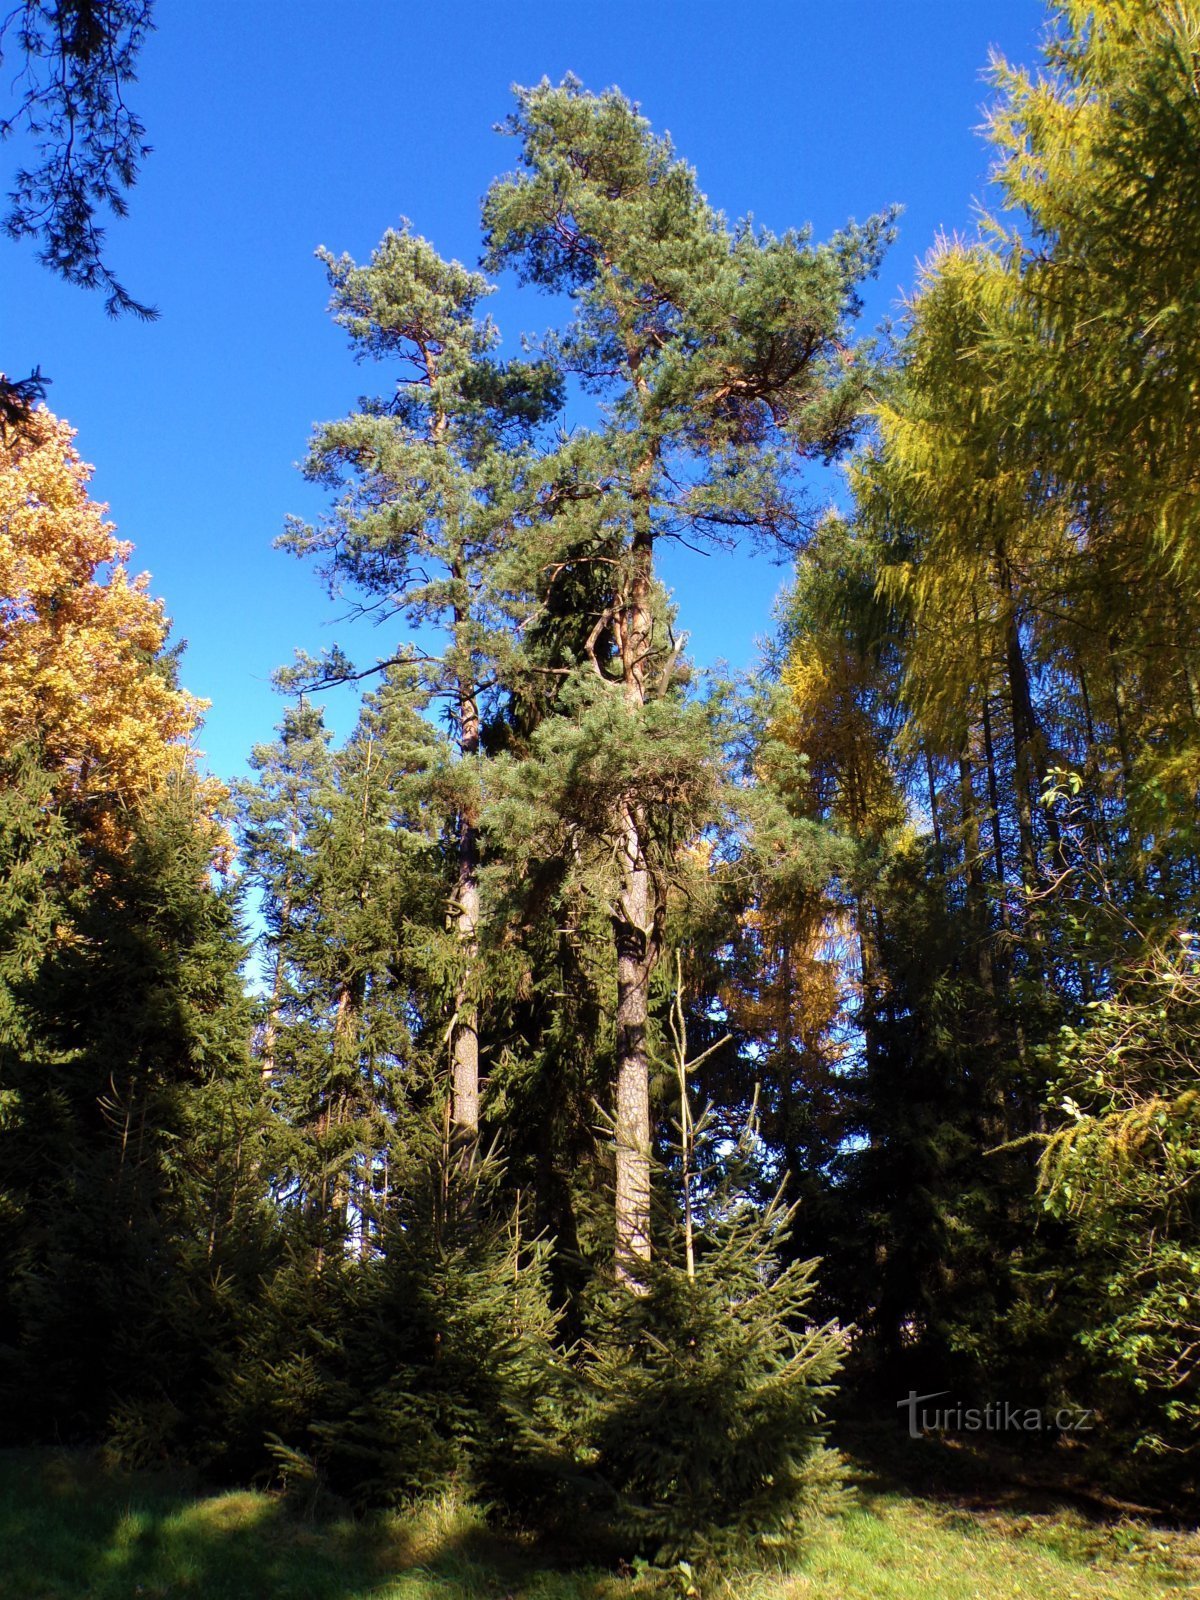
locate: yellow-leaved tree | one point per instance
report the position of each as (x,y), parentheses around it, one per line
(84,674)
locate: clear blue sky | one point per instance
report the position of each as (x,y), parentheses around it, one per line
(279,125)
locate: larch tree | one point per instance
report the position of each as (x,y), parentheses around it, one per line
(85,673)
(1027,508)
(828,807)
(721,358)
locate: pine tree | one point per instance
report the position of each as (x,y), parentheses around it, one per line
(720,355)
(427,477)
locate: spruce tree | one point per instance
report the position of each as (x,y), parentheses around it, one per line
(700,1424)
(350,861)
(275,811)
(135,1224)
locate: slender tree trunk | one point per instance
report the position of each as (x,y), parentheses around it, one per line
(1023,755)
(933,800)
(1120,718)
(635,944)
(1030,752)
(993,1107)
(1002,958)
(993,784)
(464,909)
(1029,762)
(464,1043)
(636,922)
(973,876)
(869,968)
(465,1040)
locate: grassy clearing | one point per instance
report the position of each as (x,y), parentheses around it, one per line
(70,1531)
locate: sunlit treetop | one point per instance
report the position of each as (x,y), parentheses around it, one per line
(85,672)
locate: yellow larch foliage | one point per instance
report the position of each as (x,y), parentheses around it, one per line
(803,986)
(80,639)
(824,720)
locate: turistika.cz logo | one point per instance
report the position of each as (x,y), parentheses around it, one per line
(997,1416)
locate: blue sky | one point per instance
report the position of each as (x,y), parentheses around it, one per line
(280,125)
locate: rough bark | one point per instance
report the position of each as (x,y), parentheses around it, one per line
(464,915)
(635,924)
(465,1034)
(636,955)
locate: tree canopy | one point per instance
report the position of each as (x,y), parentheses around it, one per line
(577,1081)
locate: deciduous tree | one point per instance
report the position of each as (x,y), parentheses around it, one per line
(85,672)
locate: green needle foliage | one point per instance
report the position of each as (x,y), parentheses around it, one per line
(429,481)
(415,1204)
(135,1219)
(721,360)
(430,1366)
(704,1394)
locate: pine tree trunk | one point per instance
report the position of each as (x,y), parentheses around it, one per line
(635,963)
(465,1041)
(635,926)
(464,1047)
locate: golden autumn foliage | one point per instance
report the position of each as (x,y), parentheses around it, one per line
(82,673)
(804,979)
(824,719)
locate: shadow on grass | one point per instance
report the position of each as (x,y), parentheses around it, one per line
(1042,1499)
(69,1530)
(977,1471)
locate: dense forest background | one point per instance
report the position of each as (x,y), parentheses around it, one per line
(593,1071)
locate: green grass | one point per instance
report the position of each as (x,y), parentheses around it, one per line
(71,1531)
